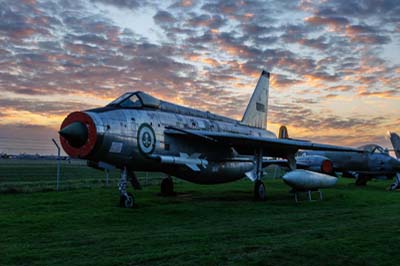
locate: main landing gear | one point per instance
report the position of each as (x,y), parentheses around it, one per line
(167,187)
(259,190)
(396,183)
(259,187)
(362,180)
(126,199)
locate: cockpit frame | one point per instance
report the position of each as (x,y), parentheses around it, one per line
(135,100)
(374,149)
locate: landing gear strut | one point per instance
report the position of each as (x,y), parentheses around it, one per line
(126,199)
(259,187)
(167,187)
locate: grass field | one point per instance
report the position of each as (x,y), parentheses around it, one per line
(20,176)
(202,225)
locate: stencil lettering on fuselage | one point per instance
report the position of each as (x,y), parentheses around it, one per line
(116,147)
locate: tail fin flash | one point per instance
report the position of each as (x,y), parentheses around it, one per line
(395,139)
(256,111)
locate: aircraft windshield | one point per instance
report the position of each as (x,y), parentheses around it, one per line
(373,148)
(120,98)
(131,102)
(127,100)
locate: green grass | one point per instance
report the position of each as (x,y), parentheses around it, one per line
(21,176)
(202,225)
(45,170)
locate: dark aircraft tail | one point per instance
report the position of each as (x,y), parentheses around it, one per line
(395,139)
(283,133)
(257,109)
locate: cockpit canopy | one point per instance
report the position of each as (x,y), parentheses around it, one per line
(141,100)
(373,148)
(135,100)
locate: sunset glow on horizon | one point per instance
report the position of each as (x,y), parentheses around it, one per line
(335,65)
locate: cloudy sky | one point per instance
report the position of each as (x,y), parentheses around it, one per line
(335,64)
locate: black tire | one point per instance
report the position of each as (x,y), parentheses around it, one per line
(348,175)
(361,180)
(167,187)
(127,201)
(259,191)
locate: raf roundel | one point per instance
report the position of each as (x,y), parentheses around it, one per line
(146,139)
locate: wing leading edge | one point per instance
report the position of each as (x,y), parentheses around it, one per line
(246,144)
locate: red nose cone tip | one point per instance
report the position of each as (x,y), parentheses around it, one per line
(78,134)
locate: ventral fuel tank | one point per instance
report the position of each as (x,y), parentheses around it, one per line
(307,180)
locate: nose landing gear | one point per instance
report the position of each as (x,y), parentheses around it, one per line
(126,199)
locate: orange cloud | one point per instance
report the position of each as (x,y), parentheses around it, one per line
(30,2)
(334,23)
(22,33)
(193,57)
(380,94)
(341,88)
(210,61)
(186,3)
(279,82)
(13,116)
(319,80)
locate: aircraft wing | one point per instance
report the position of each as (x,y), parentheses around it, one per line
(246,144)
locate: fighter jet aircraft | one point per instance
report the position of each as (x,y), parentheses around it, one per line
(372,163)
(138,132)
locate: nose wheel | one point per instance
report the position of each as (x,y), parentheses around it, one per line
(259,190)
(127,201)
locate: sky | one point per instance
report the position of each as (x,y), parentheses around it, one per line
(335,65)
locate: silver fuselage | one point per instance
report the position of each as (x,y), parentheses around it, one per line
(367,163)
(118,135)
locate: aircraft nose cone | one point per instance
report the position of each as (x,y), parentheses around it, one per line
(75,133)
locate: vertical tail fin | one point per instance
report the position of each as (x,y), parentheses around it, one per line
(395,139)
(257,109)
(283,133)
